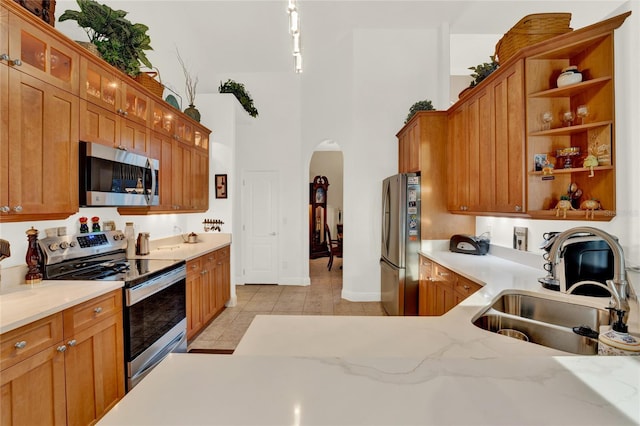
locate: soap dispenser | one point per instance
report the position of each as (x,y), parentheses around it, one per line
(617,340)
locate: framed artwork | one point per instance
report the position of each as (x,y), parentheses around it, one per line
(539,161)
(221,186)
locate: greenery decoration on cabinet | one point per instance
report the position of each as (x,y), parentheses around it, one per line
(241,93)
(119,41)
(424,105)
(482,71)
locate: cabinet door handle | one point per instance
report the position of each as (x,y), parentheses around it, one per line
(4,57)
(443,274)
(72,342)
(97,310)
(5,209)
(20,345)
(17,209)
(61,348)
(466,287)
(518,208)
(16,62)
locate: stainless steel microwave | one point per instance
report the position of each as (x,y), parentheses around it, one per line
(112,177)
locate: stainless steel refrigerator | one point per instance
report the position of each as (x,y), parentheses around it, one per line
(399,268)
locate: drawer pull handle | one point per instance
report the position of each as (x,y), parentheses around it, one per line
(442,274)
(20,345)
(466,287)
(72,342)
(97,310)
(61,348)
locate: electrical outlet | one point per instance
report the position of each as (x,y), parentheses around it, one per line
(520,239)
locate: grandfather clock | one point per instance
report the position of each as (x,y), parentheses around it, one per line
(318,217)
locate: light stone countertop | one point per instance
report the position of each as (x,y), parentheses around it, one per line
(21,304)
(334,370)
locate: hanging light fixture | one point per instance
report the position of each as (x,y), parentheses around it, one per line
(294,30)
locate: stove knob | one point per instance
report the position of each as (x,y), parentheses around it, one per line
(64,245)
(72,244)
(54,246)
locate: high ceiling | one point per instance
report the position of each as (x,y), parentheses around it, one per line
(251,35)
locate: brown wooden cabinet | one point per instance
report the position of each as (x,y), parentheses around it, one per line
(39,155)
(56,93)
(486,147)
(441,289)
(94,359)
(591,50)
(113,113)
(429,131)
(208,288)
(40,52)
(67,368)
(409,147)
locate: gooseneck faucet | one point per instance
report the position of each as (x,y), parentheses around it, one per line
(617,285)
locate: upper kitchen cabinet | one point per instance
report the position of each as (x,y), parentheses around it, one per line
(38,149)
(409,147)
(112,113)
(572,127)
(427,131)
(486,147)
(34,49)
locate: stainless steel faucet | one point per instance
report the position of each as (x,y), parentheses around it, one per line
(617,285)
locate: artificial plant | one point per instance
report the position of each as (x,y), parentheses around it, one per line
(241,94)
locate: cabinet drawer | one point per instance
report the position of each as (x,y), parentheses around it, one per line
(222,253)
(465,286)
(30,339)
(194,267)
(442,274)
(88,313)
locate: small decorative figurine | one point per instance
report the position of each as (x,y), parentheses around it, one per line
(563,205)
(33,258)
(590,161)
(590,206)
(95,224)
(84,228)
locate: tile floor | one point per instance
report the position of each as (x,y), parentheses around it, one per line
(322,297)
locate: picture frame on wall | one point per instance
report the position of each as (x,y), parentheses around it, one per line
(221,186)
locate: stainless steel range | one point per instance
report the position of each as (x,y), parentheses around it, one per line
(155,321)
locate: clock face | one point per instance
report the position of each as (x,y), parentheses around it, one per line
(320,196)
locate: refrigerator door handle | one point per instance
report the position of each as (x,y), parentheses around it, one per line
(386,218)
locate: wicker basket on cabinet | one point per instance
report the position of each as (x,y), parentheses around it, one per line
(148,81)
(530,30)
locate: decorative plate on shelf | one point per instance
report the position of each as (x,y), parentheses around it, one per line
(171,100)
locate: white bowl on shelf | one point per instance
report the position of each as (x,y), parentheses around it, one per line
(568,78)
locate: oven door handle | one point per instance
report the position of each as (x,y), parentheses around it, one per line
(159,356)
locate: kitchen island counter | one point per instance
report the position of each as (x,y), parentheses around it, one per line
(200,389)
(391,371)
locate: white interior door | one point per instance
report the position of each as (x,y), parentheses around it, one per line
(259,227)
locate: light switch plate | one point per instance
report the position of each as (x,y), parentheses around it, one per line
(520,239)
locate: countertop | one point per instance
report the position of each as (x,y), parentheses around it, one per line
(333,370)
(21,304)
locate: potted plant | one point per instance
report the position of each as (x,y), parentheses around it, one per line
(190,83)
(482,71)
(241,94)
(119,42)
(425,105)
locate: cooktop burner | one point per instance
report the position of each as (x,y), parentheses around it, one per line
(97,256)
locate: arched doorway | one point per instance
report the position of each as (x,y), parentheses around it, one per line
(327,163)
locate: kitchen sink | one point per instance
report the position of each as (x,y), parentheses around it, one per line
(551,311)
(544,321)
